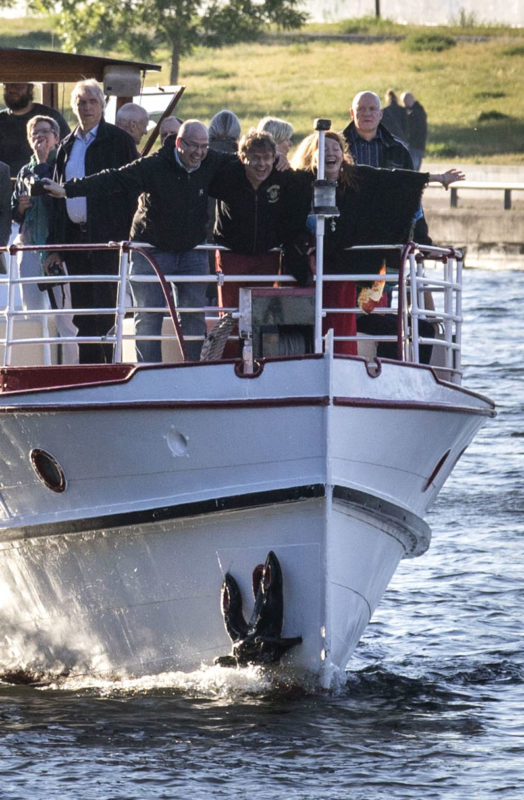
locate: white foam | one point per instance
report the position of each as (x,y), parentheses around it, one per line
(214,682)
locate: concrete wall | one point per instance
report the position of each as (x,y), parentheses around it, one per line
(430,12)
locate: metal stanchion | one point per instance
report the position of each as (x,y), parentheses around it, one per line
(324,206)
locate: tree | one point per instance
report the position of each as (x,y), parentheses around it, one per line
(144,25)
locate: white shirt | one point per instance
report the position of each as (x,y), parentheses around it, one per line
(76,168)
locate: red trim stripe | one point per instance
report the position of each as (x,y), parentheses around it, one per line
(277,402)
(410,405)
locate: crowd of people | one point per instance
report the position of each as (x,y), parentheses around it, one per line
(204,183)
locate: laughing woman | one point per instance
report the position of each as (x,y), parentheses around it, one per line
(377,206)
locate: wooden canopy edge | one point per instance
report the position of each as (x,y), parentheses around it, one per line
(19,65)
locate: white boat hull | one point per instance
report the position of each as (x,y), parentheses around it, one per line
(179,474)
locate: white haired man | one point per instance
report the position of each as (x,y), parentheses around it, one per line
(94,145)
(369,141)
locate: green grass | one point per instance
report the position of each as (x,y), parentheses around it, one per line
(463,89)
(471,92)
(27,32)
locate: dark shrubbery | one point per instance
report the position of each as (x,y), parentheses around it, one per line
(427,42)
(516,50)
(486,95)
(487,116)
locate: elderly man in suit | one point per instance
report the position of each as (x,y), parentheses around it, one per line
(94,145)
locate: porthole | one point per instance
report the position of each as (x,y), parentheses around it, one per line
(48,470)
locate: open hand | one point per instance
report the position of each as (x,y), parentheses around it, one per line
(451,176)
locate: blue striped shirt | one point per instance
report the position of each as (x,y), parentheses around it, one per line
(365,152)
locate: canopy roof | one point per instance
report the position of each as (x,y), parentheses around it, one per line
(19,65)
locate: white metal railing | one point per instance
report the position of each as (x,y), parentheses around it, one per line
(427,287)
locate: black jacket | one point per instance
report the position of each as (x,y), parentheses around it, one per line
(112,148)
(172,207)
(252,220)
(378,209)
(395,155)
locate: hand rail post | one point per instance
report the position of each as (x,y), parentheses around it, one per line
(11,296)
(324,205)
(457,352)
(123,273)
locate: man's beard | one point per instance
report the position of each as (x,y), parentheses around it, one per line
(17,103)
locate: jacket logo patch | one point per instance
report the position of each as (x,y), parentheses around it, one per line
(273,193)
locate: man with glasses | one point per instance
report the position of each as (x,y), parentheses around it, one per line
(173,186)
(20,107)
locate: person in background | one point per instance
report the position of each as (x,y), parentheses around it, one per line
(32,209)
(371,143)
(134,119)
(94,145)
(20,107)
(224,131)
(5,211)
(224,135)
(394,116)
(417,128)
(280,130)
(169,127)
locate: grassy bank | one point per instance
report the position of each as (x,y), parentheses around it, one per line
(471,89)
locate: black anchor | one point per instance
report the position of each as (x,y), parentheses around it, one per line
(258,641)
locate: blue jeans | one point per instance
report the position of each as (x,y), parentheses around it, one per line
(150,295)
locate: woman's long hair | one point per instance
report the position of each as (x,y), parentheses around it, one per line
(306,156)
